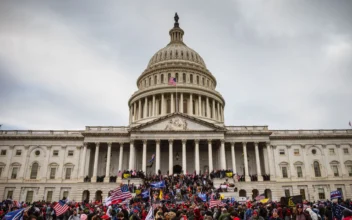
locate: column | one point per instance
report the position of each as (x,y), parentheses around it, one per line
(184,156)
(210,156)
(134,111)
(139,109)
(157,156)
(247,178)
(131,161)
(307,165)
(199,105)
(121,157)
(196,152)
(257,161)
(162,104)
(108,158)
(233,156)
(172,103)
(208,108)
(171,157)
(214,109)
(145,112)
(153,111)
(83,162)
(144,156)
(191,104)
(218,108)
(95,168)
(342,172)
(271,169)
(222,114)
(130,118)
(222,155)
(181,103)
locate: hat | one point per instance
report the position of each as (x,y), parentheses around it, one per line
(105,217)
(255,212)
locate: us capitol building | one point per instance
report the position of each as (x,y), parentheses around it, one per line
(185,129)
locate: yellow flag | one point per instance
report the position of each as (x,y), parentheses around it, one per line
(290,202)
(161,195)
(138,191)
(222,196)
(264,201)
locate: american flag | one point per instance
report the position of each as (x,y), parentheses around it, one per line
(60,208)
(260,197)
(121,193)
(172,81)
(214,203)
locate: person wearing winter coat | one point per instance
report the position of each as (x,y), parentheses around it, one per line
(255,216)
(312,214)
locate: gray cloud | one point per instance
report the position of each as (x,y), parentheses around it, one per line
(65,65)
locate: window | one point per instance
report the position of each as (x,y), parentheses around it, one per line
(302,192)
(14,173)
(314,151)
(37,153)
(191,78)
(65,194)
(332,151)
(162,78)
(184,77)
(282,152)
(52,173)
(287,192)
(70,153)
(168,77)
(9,194)
(335,170)
(296,152)
(49,196)
(345,151)
(34,171)
(284,172)
(176,76)
(203,81)
(29,197)
(321,193)
(299,171)
(18,152)
(150,81)
(1,169)
(3,153)
(349,170)
(68,173)
(55,153)
(317,169)
(155,80)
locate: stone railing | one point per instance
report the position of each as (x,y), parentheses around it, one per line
(310,132)
(107,128)
(40,132)
(247,128)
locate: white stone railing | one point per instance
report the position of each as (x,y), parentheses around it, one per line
(39,132)
(310,132)
(247,128)
(107,128)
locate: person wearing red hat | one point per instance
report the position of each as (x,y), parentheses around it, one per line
(255,216)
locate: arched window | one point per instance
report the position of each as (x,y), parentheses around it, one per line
(203,82)
(168,76)
(162,78)
(150,81)
(317,169)
(197,80)
(176,76)
(184,77)
(191,78)
(34,171)
(155,80)
(208,83)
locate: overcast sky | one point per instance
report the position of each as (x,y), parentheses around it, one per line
(69,64)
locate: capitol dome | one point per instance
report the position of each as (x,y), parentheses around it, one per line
(194,93)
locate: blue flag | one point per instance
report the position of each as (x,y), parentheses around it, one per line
(335,194)
(159,184)
(14,215)
(145,194)
(203,197)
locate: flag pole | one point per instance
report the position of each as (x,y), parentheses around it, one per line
(176,97)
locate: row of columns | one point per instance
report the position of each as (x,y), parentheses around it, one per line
(132,157)
(153,110)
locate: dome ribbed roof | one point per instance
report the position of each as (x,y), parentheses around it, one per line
(176,52)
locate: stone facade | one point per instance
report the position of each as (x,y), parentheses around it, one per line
(184,127)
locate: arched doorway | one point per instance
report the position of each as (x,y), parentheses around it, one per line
(85,196)
(255,193)
(267,194)
(243,193)
(98,195)
(177,169)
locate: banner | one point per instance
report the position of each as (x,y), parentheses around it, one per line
(229,174)
(203,197)
(159,184)
(126,175)
(335,194)
(223,186)
(291,201)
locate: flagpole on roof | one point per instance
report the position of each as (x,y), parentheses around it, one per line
(176,95)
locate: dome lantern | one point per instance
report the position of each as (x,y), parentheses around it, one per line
(176,33)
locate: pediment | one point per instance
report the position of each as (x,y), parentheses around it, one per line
(178,122)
